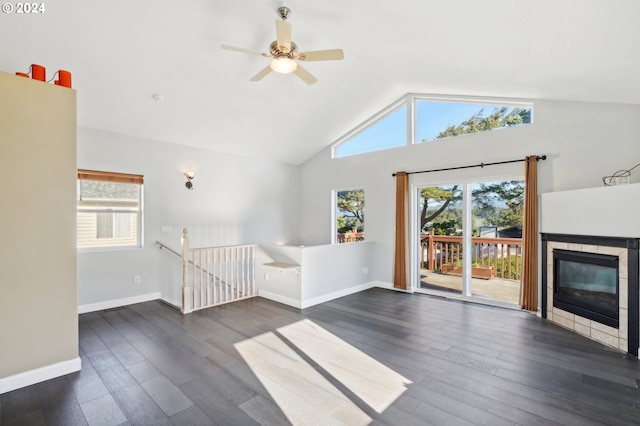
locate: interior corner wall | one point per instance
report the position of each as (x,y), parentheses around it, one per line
(38,309)
(235,200)
(583,142)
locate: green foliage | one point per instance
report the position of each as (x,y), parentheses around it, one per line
(436,203)
(446,227)
(346,224)
(500,203)
(500,117)
(516,266)
(350,206)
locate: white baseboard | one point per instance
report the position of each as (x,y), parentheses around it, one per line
(301,304)
(336,294)
(389,286)
(27,378)
(172,303)
(110,304)
(384,284)
(280,299)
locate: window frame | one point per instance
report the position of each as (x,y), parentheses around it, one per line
(370,122)
(410,100)
(334,213)
(497,102)
(111,177)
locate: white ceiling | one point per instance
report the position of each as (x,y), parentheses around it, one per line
(122,52)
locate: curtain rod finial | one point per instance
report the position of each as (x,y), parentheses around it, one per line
(541,157)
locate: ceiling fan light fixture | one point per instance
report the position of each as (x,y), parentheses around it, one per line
(283,65)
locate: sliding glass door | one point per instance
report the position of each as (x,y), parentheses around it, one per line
(468,240)
(496,242)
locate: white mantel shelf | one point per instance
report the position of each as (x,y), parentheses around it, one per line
(612,211)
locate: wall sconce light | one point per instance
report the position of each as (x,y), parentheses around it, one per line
(189,175)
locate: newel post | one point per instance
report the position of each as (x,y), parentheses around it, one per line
(432,251)
(186,302)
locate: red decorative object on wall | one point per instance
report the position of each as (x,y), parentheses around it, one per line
(38,72)
(64,78)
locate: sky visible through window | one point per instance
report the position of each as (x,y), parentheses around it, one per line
(432,118)
(389,132)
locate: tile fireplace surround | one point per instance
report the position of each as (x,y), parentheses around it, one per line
(625,337)
(601,220)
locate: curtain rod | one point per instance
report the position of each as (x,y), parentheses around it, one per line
(538,158)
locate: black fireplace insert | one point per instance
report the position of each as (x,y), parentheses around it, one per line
(587,285)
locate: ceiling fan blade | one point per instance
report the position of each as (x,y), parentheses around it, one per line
(262,74)
(321,55)
(283,34)
(242,50)
(305,75)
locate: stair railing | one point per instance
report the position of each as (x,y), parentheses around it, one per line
(213,276)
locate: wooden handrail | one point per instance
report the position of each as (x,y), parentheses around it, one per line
(502,254)
(164,246)
(488,240)
(344,237)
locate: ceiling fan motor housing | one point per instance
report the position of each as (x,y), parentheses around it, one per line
(284,12)
(277,52)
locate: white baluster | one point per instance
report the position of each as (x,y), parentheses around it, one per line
(186,308)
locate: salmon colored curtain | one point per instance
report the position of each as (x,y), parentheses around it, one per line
(529,293)
(401,269)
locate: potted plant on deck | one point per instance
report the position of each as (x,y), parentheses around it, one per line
(477,271)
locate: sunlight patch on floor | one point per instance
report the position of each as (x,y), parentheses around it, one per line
(373,382)
(304,394)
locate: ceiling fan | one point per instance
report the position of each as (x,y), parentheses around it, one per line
(284,54)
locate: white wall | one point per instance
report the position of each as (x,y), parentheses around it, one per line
(321,273)
(235,200)
(610,211)
(330,271)
(583,142)
(281,285)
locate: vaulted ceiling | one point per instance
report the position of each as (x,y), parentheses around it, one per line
(123,52)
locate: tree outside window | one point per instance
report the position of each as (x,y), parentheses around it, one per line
(350,215)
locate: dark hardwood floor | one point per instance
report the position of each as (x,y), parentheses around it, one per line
(376,357)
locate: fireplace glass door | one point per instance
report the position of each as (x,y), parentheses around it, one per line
(586,284)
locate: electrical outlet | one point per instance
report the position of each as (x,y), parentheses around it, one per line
(364,270)
(266,276)
(166,230)
(136,279)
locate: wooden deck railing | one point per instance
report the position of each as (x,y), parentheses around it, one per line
(216,275)
(350,237)
(504,255)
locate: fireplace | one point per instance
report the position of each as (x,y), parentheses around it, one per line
(591,285)
(587,284)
